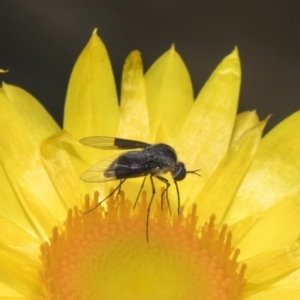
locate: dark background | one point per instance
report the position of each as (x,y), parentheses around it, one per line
(40,41)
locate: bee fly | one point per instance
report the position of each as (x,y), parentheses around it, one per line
(154,160)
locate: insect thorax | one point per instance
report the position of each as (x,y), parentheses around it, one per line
(163,154)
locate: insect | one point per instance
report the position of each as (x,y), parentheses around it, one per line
(153,160)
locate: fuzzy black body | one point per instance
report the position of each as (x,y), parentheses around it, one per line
(155,160)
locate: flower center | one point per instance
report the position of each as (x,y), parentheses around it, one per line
(104,254)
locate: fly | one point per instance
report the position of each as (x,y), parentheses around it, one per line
(154,160)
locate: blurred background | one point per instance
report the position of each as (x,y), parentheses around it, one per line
(41,40)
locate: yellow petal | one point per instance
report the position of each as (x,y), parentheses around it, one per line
(7,291)
(243,122)
(283,292)
(56,152)
(22,275)
(18,240)
(241,228)
(18,248)
(134,119)
(92,104)
(206,134)
(273,265)
(270,233)
(11,203)
(169,96)
(20,158)
(217,195)
(291,283)
(39,121)
(24,115)
(274,172)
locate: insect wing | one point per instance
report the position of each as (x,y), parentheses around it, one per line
(97,172)
(116,167)
(112,143)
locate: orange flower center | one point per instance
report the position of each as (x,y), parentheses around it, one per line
(104,254)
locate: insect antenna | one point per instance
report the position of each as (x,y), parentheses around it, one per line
(99,203)
(194,172)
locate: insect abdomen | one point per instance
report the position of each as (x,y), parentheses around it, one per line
(129,164)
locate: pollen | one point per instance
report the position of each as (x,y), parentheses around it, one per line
(104,254)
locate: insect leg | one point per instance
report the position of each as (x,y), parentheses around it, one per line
(149,207)
(118,188)
(166,182)
(138,196)
(178,196)
(99,203)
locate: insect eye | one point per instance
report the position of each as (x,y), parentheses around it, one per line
(180,172)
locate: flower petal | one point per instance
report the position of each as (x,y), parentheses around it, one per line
(217,195)
(271,266)
(134,119)
(7,291)
(10,203)
(169,96)
(18,248)
(92,104)
(24,115)
(206,133)
(274,172)
(62,161)
(281,292)
(267,233)
(20,275)
(243,122)
(18,240)
(40,122)
(20,158)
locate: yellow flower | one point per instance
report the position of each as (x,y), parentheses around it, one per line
(237,234)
